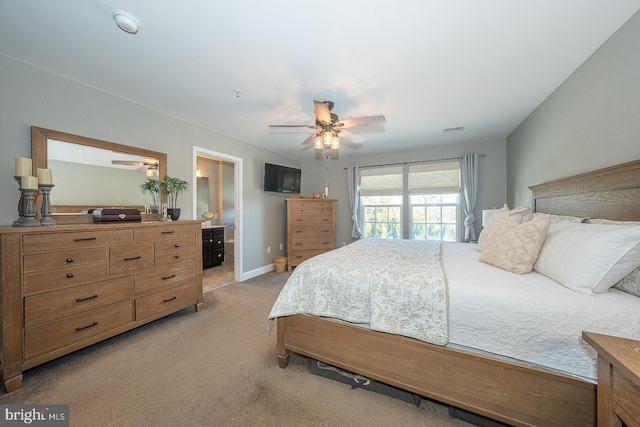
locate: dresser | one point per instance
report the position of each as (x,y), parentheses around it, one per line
(311,228)
(212,246)
(69,286)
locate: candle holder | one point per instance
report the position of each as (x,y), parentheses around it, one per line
(45,210)
(18,222)
(29,208)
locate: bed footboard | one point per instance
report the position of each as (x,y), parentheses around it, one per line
(509,392)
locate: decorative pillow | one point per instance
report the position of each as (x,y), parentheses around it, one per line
(630,283)
(515,247)
(589,258)
(517,216)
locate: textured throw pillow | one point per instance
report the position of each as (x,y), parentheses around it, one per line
(589,258)
(630,283)
(515,247)
(517,216)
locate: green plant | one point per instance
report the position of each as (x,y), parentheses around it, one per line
(172,187)
(151,186)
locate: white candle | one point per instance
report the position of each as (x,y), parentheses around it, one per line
(44,176)
(23,166)
(29,182)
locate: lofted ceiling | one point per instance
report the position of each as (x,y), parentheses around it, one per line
(238,66)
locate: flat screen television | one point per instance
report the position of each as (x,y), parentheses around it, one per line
(281,179)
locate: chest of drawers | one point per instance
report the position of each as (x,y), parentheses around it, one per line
(70,286)
(311,228)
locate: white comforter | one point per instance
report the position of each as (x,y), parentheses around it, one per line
(389,285)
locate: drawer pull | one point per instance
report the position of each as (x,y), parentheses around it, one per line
(298,220)
(133,258)
(69,260)
(325,243)
(219,241)
(177,245)
(170,299)
(326,231)
(169,277)
(87,298)
(298,231)
(219,255)
(69,275)
(80,328)
(298,244)
(168,232)
(177,256)
(84,239)
(298,256)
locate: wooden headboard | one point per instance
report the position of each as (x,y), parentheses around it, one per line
(611,193)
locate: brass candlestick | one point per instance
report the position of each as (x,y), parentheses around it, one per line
(45,210)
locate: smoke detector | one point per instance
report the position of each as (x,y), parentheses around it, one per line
(126,21)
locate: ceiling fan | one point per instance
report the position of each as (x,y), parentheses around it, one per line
(331,129)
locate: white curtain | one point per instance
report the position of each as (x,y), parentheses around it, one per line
(469,178)
(354,198)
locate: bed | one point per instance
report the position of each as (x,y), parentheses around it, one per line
(511,388)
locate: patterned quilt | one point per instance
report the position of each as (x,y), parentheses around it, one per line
(394,286)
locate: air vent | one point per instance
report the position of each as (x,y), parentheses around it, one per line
(456,129)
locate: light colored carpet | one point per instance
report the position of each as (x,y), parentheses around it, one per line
(213,368)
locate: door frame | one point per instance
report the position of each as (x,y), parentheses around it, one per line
(237,195)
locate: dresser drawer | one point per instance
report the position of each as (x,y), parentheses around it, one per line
(71,275)
(166,301)
(64,259)
(130,258)
(162,278)
(302,243)
(176,258)
(163,232)
(310,208)
(70,330)
(311,230)
(49,306)
(175,243)
(298,256)
(45,242)
(311,220)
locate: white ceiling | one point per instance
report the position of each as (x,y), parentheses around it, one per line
(426,65)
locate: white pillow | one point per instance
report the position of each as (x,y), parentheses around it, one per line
(517,216)
(515,247)
(589,258)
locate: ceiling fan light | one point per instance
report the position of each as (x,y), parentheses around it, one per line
(327,139)
(318,143)
(335,142)
(126,21)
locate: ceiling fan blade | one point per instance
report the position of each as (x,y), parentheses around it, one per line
(362,121)
(310,140)
(322,112)
(294,126)
(351,137)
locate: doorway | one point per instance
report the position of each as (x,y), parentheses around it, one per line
(231,220)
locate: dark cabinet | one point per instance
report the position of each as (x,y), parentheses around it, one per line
(212,246)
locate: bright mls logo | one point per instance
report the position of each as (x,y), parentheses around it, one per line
(34,415)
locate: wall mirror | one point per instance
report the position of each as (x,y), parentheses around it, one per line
(90,173)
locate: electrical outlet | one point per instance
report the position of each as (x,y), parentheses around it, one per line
(215,215)
(343,244)
(281,246)
(268,249)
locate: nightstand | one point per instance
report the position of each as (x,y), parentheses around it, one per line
(618,379)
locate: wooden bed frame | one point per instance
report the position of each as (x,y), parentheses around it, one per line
(513,393)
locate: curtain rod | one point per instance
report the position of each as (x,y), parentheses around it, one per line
(417,161)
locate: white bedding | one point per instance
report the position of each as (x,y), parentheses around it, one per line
(530,317)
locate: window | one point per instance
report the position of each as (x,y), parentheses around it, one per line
(413,202)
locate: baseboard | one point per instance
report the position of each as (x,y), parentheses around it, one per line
(257,272)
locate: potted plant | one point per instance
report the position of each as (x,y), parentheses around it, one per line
(172,187)
(152,186)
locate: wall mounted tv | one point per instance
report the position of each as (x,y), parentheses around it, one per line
(281,179)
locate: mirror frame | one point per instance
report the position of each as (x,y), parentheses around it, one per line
(39,156)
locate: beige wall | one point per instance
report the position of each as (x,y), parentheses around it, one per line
(591,121)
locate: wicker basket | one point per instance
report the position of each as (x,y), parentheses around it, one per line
(281,263)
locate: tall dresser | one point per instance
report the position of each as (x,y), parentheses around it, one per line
(311,228)
(69,286)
